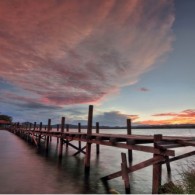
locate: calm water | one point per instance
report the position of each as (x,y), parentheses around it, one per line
(23,169)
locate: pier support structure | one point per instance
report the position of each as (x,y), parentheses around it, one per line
(88,145)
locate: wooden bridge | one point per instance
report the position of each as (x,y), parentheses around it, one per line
(162,147)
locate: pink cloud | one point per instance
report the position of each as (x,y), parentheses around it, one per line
(68,52)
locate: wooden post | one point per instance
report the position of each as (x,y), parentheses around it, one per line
(34,127)
(67,130)
(61,139)
(48,129)
(79,131)
(167,161)
(97,145)
(88,145)
(40,128)
(157,168)
(125,175)
(130,155)
(57,137)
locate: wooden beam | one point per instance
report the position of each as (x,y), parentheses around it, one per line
(186,143)
(80,150)
(136,167)
(181,156)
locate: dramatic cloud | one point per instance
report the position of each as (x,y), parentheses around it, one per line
(67,52)
(184,117)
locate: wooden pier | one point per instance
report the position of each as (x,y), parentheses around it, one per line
(162,147)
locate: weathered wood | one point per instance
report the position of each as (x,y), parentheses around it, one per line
(34,127)
(157,168)
(79,131)
(149,149)
(57,131)
(61,139)
(67,130)
(167,161)
(181,156)
(186,143)
(80,150)
(124,171)
(39,136)
(88,145)
(136,167)
(130,155)
(48,130)
(97,132)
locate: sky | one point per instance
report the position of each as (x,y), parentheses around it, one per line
(130,59)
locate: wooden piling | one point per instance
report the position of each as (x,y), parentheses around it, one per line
(40,129)
(125,175)
(48,129)
(67,130)
(79,131)
(97,145)
(88,145)
(34,127)
(167,161)
(57,131)
(61,139)
(157,168)
(130,154)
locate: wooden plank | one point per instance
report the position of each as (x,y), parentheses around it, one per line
(157,168)
(88,145)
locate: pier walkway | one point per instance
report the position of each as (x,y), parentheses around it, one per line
(162,147)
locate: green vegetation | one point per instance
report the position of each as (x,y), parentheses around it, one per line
(5,118)
(185,186)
